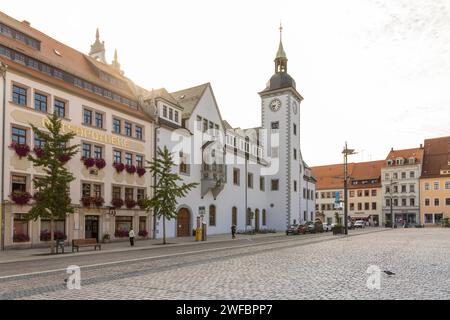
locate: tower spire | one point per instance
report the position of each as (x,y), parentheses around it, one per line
(98,48)
(115,62)
(281,58)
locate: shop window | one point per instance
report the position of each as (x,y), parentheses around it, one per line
(20,231)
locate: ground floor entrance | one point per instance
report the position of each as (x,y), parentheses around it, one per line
(183,223)
(91,224)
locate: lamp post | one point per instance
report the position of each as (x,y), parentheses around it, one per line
(391,203)
(346,153)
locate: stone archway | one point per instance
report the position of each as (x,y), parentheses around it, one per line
(184,223)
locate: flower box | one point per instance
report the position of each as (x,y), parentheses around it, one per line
(119,167)
(22,150)
(131,169)
(117,203)
(98,201)
(88,162)
(21,238)
(86,201)
(21,198)
(39,152)
(142,203)
(64,158)
(130,203)
(141,171)
(57,235)
(121,233)
(100,163)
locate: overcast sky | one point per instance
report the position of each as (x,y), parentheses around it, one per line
(375,73)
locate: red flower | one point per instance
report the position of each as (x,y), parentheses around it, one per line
(130,203)
(141,171)
(100,163)
(20,197)
(22,150)
(117,203)
(131,169)
(119,167)
(89,162)
(39,152)
(143,233)
(121,233)
(86,201)
(98,201)
(64,158)
(20,237)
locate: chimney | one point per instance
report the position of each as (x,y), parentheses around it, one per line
(26,22)
(392,149)
(421,146)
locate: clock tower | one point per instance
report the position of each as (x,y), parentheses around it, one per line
(280,104)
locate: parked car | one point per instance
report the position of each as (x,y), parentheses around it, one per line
(327,227)
(296,229)
(360,224)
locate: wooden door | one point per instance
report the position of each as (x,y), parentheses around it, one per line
(183,223)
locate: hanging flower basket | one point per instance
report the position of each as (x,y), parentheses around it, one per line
(143,233)
(131,169)
(141,203)
(141,171)
(86,201)
(64,158)
(22,150)
(39,152)
(100,163)
(98,201)
(89,162)
(117,203)
(130,203)
(121,233)
(20,198)
(119,167)
(20,237)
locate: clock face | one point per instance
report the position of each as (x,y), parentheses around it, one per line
(295,107)
(275,105)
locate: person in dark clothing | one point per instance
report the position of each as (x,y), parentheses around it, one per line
(233,231)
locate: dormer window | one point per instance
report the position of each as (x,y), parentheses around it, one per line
(389,162)
(399,161)
(412,160)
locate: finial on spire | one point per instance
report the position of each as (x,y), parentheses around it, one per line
(281,31)
(115,55)
(97,35)
(115,64)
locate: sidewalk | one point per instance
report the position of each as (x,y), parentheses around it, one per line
(17,255)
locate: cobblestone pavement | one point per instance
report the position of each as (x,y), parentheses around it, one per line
(321,267)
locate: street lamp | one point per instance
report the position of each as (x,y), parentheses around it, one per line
(346,153)
(391,202)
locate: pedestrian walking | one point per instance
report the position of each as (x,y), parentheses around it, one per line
(131,235)
(233,231)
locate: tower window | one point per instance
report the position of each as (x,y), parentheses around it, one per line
(275,125)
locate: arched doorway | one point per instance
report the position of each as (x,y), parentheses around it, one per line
(234,217)
(257,220)
(183,223)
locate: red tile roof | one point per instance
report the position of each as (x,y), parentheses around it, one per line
(436,157)
(416,153)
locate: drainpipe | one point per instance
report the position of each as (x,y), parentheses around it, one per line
(247,140)
(3,69)
(155,151)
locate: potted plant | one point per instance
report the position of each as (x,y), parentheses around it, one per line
(119,167)
(131,169)
(100,163)
(130,203)
(22,150)
(106,237)
(141,171)
(88,162)
(117,202)
(20,197)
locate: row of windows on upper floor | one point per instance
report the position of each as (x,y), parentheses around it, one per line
(19,36)
(352,193)
(436,202)
(21,183)
(170,114)
(403,188)
(403,202)
(436,185)
(20,135)
(403,175)
(64,76)
(91,117)
(401,161)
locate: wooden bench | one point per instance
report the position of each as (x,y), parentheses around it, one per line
(77,243)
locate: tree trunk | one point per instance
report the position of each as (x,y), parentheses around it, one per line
(52,236)
(164,230)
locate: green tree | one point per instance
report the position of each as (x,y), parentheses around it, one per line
(166,189)
(53,189)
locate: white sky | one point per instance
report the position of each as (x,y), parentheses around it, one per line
(375,73)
